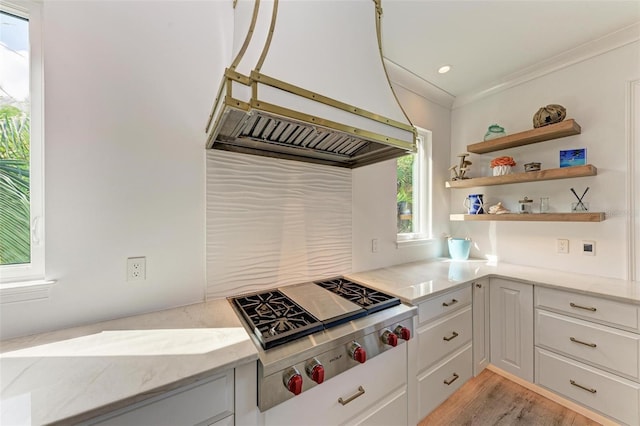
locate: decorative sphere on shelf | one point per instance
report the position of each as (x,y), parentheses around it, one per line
(550,114)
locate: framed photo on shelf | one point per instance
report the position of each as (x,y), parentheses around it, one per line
(573,157)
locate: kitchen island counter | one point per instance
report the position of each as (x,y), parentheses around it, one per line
(74,374)
(417,281)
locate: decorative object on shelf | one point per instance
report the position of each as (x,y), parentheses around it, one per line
(580,206)
(494,131)
(550,114)
(463,166)
(459,248)
(532,167)
(502,165)
(544,204)
(474,204)
(498,209)
(525,205)
(573,157)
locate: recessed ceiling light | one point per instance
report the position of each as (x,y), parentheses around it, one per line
(444,69)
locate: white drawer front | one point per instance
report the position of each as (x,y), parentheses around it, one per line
(613,349)
(444,304)
(609,394)
(443,336)
(206,401)
(437,384)
(589,307)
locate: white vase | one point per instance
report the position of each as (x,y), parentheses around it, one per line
(501,170)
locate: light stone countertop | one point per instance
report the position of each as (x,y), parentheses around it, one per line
(417,281)
(74,374)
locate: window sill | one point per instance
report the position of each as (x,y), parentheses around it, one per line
(25,291)
(414,242)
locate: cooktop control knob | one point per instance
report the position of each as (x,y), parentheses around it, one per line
(388,338)
(357,353)
(402,332)
(293,381)
(315,371)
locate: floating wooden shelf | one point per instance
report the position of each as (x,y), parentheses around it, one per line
(549,174)
(541,134)
(531,217)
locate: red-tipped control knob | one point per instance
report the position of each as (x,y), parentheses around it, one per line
(315,371)
(317,374)
(402,332)
(358,353)
(388,338)
(293,381)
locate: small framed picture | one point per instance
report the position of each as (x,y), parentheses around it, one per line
(573,157)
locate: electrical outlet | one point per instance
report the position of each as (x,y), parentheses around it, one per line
(589,248)
(136,269)
(374,245)
(562,246)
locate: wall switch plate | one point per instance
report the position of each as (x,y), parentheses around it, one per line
(374,245)
(136,269)
(562,246)
(589,248)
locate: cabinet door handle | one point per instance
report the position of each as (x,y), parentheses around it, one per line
(574,340)
(586,308)
(453,302)
(592,390)
(451,380)
(453,336)
(352,397)
(479,285)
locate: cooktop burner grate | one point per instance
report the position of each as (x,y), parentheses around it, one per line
(275,318)
(367,298)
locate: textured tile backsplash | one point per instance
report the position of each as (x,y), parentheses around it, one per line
(274,222)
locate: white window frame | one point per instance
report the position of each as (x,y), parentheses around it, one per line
(422,192)
(14,279)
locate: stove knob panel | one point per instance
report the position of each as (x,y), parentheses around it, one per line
(357,353)
(388,338)
(315,371)
(402,332)
(293,381)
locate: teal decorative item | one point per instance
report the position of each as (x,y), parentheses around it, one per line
(459,248)
(494,131)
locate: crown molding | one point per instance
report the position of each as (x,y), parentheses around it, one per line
(406,79)
(619,38)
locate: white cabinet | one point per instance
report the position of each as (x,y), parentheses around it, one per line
(481,327)
(588,350)
(444,357)
(206,402)
(511,331)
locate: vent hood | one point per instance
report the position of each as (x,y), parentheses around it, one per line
(307,82)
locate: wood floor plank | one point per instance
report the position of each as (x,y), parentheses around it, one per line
(490,399)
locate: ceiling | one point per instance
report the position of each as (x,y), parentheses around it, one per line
(486,41)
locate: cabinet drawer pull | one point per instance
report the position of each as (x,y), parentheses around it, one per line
(586,308)
(592,390)
(453,302)
(574,340)
(451,380)
(352,397)
(453,336)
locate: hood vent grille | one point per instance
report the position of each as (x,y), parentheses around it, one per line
(294,123)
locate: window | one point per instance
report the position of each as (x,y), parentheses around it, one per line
(21,165)
(414,191)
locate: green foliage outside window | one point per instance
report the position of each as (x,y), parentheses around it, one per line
(14,186)
(405,193)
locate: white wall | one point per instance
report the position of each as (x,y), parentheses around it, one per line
(128,89)
(374,194)
(594,93)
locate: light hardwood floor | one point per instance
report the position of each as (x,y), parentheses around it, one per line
(490,399)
